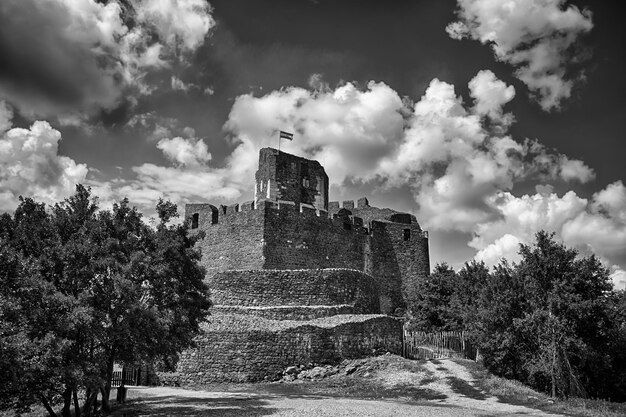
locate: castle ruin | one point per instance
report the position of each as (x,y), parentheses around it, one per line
(296,279)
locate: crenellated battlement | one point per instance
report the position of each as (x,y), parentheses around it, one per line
(202,216)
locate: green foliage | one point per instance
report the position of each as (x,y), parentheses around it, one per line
(551,321)
(82,288)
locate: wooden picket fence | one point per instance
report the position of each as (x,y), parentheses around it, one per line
(437,345)
(127,376)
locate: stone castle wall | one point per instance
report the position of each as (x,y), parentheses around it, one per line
(283,235)
(301,313)
(276,235)
(396,251)
(235,348)
(295,240)
(298,288)
(233,236)
(400,254)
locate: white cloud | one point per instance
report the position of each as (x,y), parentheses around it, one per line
(6,115)
(30,166)
(537,37)
(153,126)
(86,56)
(179,23)
(618,276)
(185,152)
(575,170)
(346,129)
(595,226)
(490,95)
(505,247)
(178,84)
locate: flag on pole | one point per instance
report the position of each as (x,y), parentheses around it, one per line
(286,135)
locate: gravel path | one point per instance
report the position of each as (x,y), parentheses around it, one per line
(462,397)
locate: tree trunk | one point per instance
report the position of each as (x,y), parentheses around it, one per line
(46,404)
(553,373)
(106,390)
(95,402)
(106,407)
(76,405)
(67,402)
(89,401)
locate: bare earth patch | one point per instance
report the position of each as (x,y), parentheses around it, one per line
(382,386)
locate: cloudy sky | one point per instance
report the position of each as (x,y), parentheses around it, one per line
(487,119)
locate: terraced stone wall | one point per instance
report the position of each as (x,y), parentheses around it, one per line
(230,352)
(313,287)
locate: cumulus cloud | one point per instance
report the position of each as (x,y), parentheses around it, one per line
(31,166)
(596,225)
(538,37)
(347,129)
(490,95)
(189,178)
(6,114)
(179,23)
(618,276)
(185,152)
(87,55)
(152,126)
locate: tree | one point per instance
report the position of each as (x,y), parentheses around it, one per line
(429,300)
(464,301)
(551,321)
(545,320)
(82,289)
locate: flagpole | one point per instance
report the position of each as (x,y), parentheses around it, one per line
(284,135)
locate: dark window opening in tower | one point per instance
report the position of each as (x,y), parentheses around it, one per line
(194,220)
(407,234)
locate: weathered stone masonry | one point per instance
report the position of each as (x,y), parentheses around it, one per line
(298,279)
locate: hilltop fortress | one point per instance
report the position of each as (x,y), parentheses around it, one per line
(296,279)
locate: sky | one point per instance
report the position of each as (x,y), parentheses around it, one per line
(488,120)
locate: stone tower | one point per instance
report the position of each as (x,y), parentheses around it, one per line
(282,176)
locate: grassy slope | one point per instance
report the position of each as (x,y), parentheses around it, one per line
(514,392)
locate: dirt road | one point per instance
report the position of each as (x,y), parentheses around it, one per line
(458,396)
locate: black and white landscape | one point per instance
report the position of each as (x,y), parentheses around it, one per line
(499,125)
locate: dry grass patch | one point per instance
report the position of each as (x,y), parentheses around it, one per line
(514,392)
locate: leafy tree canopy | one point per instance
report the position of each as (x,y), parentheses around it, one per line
(552,320)
(82,288)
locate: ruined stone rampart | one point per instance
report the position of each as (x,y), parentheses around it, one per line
(235,348)
(298,288)
(296,279)
(276,235)
(288,236)
(233,236)
(297,239)
(301,313)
